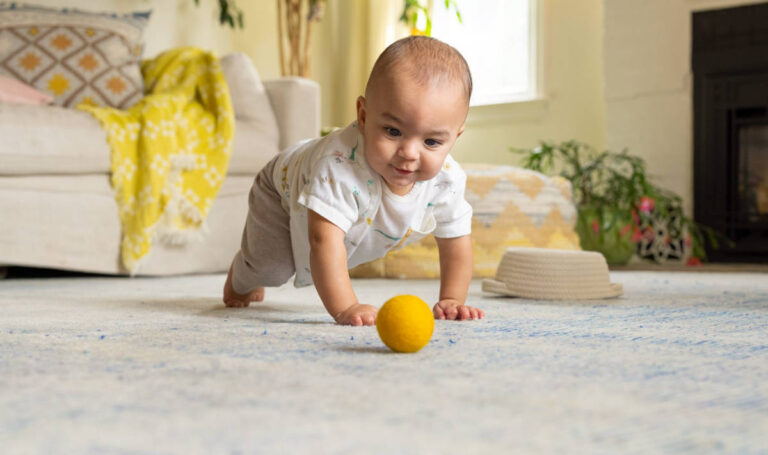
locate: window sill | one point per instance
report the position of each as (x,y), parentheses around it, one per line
(498,113)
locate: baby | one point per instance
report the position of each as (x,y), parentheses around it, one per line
(328,204)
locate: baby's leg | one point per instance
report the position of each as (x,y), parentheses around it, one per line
(265,257)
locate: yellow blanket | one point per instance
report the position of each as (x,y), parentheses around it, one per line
(169,151)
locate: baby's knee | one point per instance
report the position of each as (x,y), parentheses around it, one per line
(277,276)
(248,274)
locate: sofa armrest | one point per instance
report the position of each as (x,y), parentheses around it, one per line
(296,104)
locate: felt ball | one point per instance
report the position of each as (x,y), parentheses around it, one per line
(405,323)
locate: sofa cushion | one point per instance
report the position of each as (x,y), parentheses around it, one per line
(252,102)
(257,135)
(75,56)
(511,207)
(55,140)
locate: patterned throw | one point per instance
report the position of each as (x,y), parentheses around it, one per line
(75,56)
(511,207)
(169,151)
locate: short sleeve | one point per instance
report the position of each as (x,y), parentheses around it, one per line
(332,193)
(452,212)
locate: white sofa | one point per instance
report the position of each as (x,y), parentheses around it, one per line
(56,204)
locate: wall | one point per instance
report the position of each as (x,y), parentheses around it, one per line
(353,33)
(182,23)
(349,39)
(649,85)
(570,36)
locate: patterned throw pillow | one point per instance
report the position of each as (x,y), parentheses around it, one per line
(75,56)
(511,207)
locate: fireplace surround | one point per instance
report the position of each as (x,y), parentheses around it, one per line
(730,105)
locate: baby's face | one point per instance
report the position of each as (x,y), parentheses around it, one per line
(409,128)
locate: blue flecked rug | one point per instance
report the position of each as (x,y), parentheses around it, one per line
(678,364)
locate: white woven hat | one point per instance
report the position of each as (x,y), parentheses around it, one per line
(540,273)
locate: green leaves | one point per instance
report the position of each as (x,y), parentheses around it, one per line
(229,13)
(615,179)
(452,3)
(412,9)
(612,184)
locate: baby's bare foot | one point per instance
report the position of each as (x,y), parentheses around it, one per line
(234,300)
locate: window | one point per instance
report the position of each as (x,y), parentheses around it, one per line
(497,38)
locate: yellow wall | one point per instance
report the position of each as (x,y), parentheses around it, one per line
(649,85)
(351,36)
(570,37)
(571,106)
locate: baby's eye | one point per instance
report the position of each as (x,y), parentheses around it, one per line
(432,143)
(392,131)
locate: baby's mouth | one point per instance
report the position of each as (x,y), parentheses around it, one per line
(403,171)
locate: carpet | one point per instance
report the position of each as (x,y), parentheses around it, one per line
(678,364)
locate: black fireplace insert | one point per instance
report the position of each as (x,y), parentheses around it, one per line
(730,105)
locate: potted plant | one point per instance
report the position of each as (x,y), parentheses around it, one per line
(619,209)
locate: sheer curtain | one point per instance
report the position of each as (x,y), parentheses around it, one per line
(352,34)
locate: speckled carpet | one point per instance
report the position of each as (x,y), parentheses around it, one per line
(679,364)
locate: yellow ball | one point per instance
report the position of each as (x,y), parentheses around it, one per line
(405,323)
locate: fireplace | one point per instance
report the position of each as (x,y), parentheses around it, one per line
(730,103)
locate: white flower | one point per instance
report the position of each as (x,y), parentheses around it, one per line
(159,165)
(145,196)
(212,176)
(202,161)
(166,128)
(128,207)
(133,130)
(207,123)
(191,196)
(126,169)
(116,132)
(151,129)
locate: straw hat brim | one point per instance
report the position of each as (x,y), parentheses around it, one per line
(552,274)
(533,290)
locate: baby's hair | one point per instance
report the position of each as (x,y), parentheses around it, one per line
(425,59)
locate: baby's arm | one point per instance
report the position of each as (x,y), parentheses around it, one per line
(328,261)
(455,275)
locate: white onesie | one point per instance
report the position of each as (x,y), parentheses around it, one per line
(331,177)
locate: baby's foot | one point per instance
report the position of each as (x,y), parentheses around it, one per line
(234,300)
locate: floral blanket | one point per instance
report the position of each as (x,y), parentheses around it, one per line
(170,151)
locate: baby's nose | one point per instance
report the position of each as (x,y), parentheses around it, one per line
(409,150)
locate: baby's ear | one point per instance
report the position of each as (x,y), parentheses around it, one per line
(461,131)
(360,112)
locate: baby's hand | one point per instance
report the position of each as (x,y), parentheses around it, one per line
(358,314)
(452,309)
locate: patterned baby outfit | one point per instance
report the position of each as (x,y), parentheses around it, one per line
(331,176)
